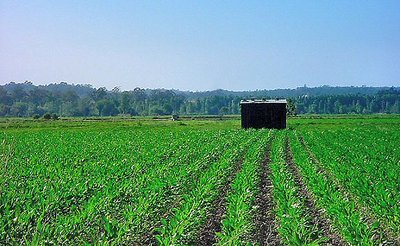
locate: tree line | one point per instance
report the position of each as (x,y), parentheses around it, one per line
(28,100)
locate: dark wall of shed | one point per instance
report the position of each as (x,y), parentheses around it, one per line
(263,115)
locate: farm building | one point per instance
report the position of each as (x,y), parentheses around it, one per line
(263,114)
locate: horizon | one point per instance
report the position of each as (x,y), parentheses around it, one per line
(187,46)
(201,91)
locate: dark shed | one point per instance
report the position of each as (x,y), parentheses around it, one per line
(263,114)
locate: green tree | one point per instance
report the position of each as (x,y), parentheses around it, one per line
(19,109)
(291,107)
(106,107)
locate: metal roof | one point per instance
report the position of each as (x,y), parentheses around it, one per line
(263,101)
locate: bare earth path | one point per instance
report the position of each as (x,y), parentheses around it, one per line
(208,232)
(317,218)
(265,227)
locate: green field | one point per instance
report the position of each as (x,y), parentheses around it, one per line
(324,180)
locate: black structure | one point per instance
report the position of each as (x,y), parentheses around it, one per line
(263,114)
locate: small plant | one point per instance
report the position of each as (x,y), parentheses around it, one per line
(158,182)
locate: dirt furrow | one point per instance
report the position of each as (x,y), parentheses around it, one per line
(207,235)
(265,228)
(317,218)
(149,237)
(381,231)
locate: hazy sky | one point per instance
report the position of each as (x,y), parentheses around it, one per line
(201,45)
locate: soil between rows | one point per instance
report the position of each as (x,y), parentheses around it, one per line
(265,226)
(317,218)
(386,233)
(207,235)
(149,237)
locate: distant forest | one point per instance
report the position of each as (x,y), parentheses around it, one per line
(62,99)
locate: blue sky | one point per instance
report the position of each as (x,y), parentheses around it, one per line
(201,45)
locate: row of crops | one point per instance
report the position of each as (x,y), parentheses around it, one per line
(192,184)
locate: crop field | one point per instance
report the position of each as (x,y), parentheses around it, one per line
(323,180)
